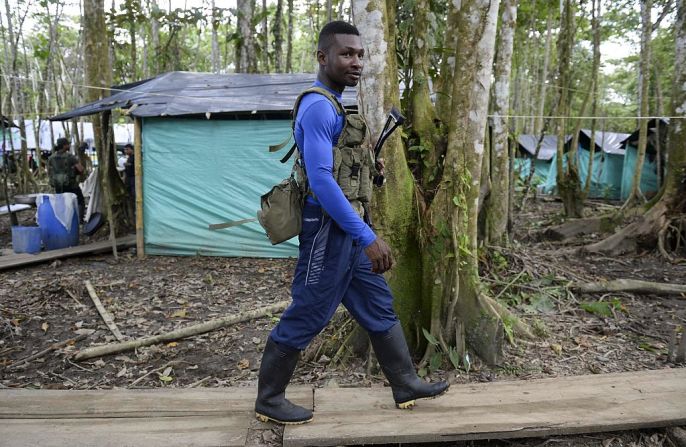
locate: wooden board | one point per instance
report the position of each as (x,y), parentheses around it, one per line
(498,410)
(115,432)
(23,259)
(158,417)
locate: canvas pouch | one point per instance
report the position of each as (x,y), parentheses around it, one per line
(281,211)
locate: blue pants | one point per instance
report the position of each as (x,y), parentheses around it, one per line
(332,269)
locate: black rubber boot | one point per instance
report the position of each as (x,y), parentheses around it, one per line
(394,357)
(278,364)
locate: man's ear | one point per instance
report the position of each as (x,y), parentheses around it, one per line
(321,57)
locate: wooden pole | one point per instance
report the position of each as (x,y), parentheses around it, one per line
(106,316)
(138,171)
(189,331)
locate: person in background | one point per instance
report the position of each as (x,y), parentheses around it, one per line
(63,170)
(130,174)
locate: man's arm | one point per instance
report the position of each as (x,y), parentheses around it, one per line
(318,124)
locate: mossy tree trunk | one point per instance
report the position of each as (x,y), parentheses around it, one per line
(663,222)
(497,203)
(394,211)
(433,230)
(568,184)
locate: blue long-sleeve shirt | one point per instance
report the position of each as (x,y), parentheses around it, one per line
(317,128)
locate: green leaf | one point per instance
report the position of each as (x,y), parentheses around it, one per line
(454,357)
(430,338)
(436,361)
(422,372)
(600,308)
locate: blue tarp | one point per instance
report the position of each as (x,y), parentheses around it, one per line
(541,168)
(648,174)
(611,177)
(198,172)
(598,188)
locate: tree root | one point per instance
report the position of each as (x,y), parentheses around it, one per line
(520,328)
(644,232)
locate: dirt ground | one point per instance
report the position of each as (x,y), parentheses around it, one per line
(48,303)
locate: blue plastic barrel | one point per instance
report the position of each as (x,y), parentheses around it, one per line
(26,239)
(53,233)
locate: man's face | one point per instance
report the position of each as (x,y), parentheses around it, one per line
(342,62)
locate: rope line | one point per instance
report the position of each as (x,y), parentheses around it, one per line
(225,100)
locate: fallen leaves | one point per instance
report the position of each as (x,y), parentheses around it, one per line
(243,364)
(165,376)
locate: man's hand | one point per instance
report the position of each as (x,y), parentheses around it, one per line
(380,254)
(379,178)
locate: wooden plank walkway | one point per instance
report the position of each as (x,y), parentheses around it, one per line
(145,418)
(345,416)
(499,410)
(22,259)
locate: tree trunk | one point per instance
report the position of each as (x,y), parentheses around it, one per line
(215,39)
(424,136)
(656,227)
(434,233)
(155,37)
(133,72)
(394,212)
(99,74)
(497,204)
(289,39)
(246,61)
(265,38)
(567,179)
(538,123)
(595,25)
(278,37)
(644,79)
(452,216)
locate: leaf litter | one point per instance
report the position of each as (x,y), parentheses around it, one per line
(587,334)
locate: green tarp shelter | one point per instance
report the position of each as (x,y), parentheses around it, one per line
(526,152)
(205,157)
(649,182)
(656,143)
(607,166)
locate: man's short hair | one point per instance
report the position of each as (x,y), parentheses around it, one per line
(128,145)
(333,28)
(61,142)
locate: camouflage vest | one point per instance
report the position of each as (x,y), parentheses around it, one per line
(62,174)
(353,160)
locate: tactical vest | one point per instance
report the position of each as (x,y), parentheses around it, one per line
(353,160)
(62,174)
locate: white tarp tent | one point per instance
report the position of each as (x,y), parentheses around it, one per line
(123,133)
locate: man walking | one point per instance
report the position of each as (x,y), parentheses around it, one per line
(341,259)
(63,169)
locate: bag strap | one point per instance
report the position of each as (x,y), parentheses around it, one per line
(319,90)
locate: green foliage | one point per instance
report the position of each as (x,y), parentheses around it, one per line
(539,328)
(440,356)
(605,309)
